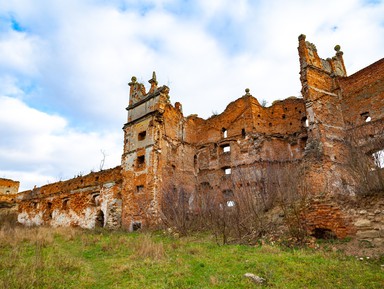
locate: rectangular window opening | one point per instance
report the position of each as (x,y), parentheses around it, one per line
(139,189)
(140,161)
(142,135)
(136,226)
(226,148)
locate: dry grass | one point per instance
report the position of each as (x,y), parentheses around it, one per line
(146,248)
(30,259)
(35,235)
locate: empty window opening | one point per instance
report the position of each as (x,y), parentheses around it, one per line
(136,226)
(365,116)
(139,189)
(283,116)
(270,124)
(140,161)
(95,199)
(65,204)
(49,207)
(243,132)
(225,132)
(226,148)
(99,222)
(142,135)
(258,115)
(230,203)
(305,121)
(227,194)
(205,185)
(227,171)
(322,233)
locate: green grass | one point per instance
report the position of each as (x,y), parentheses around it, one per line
(74,258)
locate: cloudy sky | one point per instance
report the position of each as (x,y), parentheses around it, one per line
(65,65)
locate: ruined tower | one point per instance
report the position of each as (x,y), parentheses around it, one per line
(326,145)
(141,160)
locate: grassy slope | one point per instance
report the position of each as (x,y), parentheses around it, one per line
(71,258)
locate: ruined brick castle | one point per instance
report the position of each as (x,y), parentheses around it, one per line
(337,118)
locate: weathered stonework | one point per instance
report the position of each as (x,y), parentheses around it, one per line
(8,192)
(311,140)
(86,201)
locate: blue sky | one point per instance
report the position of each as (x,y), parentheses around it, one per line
(65,65)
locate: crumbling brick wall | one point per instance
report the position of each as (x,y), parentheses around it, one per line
(86,201)
(9,187)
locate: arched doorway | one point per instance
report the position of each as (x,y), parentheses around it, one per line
(99,219)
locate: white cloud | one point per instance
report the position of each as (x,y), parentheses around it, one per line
(39,144)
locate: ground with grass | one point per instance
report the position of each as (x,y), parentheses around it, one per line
(74,258)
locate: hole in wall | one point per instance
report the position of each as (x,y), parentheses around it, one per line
(95,199)
(365,116)
(139,189)
(140,161)
(225,132)
(226,148)
(141,136)
(136,226)
(65,204)
(305,121)
(99,223)
(323,233)
(227,170)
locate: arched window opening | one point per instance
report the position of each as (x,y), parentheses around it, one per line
(225,132)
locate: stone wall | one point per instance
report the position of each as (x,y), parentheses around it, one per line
(9,187)
(86,201)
